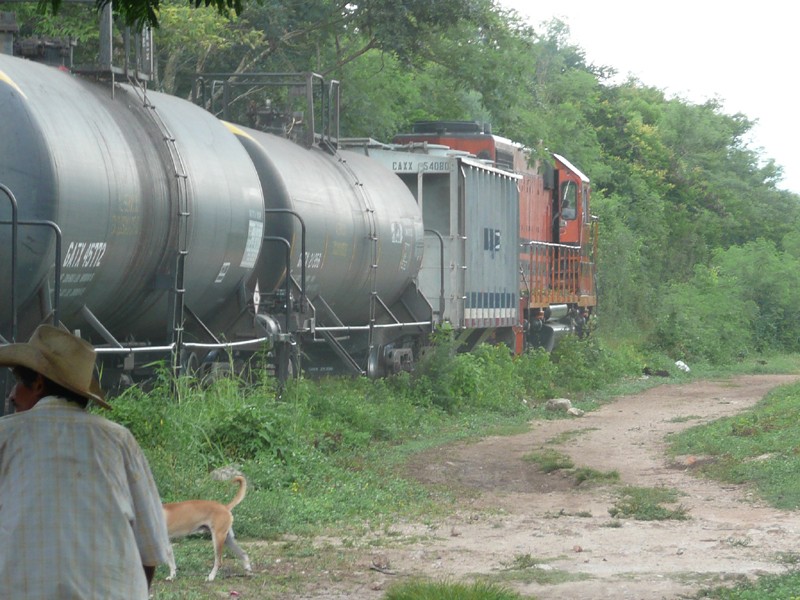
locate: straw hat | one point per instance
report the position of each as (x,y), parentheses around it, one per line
(61,357)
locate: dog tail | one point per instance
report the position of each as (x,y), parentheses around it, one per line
(240,494)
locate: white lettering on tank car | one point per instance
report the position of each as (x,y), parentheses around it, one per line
(313,260)
(222,272)
(94,253)
(397,232)
(256,297)
(86,255)
(255,232)
(404,256)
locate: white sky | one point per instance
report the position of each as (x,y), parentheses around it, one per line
(742,54)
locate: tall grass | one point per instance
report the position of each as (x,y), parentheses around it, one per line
(420,590)
(323,452)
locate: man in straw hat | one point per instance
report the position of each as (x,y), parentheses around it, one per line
(80,515)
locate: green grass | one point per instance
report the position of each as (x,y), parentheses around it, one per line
(684,419)
(647,504)
(549,460)
(767,587)
(758,447)
(423,590)
(527,569)
(570,435)
(586,475)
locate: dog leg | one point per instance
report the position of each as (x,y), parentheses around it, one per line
(230,542)
(171,562)
(219,548)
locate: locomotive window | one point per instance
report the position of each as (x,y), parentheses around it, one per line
(569,199)
(505,160)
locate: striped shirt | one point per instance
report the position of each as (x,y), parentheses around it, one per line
(79,510)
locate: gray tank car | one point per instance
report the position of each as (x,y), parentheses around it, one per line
(183,233)
(134,192)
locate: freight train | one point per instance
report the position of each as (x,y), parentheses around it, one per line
(152,228)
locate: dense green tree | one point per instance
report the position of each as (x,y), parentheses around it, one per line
(74,22)
(698,246)
(706,318)
(144,13)
(770,279)
(194,36)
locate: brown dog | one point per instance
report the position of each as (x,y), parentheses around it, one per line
(191,516)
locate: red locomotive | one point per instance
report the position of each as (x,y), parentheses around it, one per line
(557,234)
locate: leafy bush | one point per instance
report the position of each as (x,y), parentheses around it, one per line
(587,364)
(537,374)
(485,378)
(244,431)
(708,319)
(745,300)
(771,281)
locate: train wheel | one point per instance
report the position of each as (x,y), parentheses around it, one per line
(375,367)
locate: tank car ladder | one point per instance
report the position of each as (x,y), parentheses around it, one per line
(182,213)
(372,276)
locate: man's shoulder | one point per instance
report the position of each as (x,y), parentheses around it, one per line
(105,423)
(9,419)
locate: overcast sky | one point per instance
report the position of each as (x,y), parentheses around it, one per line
(742,54)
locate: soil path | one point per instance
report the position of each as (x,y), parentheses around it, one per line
(515,512)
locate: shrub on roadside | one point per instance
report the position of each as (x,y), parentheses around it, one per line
(537,374)
(587,364)
(420,590)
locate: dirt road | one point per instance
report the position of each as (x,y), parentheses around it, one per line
(518,515)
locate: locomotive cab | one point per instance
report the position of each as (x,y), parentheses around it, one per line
(571,203)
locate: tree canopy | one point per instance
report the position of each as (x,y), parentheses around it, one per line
(146,13)
(693,225)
